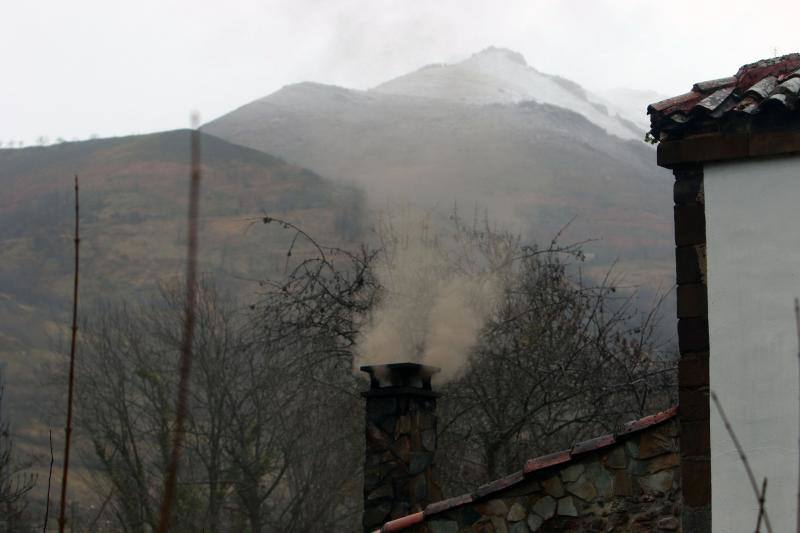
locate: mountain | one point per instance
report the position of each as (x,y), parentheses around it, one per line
(630,104)
(133,209)
(133,193)
(535,166)
(501,76)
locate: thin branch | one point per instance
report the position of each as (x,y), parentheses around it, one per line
(49,479)
(93,524)
(188,334)
(797,323)
(761,500)
(71,382)
(742,456)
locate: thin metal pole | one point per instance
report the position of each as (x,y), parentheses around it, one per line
(71,382)
(187,336)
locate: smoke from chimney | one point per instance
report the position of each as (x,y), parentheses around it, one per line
(438,292)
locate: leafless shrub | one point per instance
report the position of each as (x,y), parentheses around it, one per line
(274,438)
(15,481)
(561,359)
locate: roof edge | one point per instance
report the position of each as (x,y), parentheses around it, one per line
(760,93)
(727,147)
(531,467)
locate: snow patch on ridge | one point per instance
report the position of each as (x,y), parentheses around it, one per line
(502,76)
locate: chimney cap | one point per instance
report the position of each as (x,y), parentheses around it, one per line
(400,378)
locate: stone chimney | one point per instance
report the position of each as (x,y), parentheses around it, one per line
(401,442)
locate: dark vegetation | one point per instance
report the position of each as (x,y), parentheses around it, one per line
(16,481)
(134,203)
(133,225)
(274,436)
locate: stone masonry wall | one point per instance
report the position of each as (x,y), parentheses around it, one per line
(632,485)
(399,469)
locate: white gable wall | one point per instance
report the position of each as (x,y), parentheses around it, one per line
(753,247)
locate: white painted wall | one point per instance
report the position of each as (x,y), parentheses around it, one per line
(753,246)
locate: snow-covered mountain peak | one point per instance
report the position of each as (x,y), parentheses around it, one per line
(495,54)
(502,76)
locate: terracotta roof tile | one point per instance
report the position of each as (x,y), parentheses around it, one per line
(546,461)
(706,86)
(449,503)
(592,445)
(499,484)
(764,86)
(400,524)
(646,422)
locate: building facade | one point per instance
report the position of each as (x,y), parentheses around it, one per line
(734,147)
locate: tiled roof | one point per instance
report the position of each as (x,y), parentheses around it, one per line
(761,88)
(531,466)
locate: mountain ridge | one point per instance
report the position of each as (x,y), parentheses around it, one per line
(133,194)
(501,75)
(534,165)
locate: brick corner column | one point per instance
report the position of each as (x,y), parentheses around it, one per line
(693,342)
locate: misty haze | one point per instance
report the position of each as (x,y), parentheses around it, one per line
(415,268)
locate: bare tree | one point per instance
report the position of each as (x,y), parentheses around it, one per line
(269,431)
(561,359)
(274,441)
(15,480)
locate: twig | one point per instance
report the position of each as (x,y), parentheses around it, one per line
(797,323)
(188,334)
(71,382)
(49,479)
(93,524)
(761,505)
(743,457)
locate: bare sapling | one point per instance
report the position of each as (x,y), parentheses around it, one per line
(71,379)
(745,462)
(186,336)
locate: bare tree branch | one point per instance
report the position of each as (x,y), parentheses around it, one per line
(188,334)
(71,379)
(750,476)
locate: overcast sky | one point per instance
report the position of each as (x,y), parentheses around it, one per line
(75,68)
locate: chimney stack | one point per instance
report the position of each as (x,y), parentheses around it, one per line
(401,442)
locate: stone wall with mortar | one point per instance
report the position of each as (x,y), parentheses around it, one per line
(400,446)
(629,484)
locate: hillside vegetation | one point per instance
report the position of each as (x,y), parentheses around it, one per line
(133,232)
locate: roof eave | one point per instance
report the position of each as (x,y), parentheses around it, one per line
(727,147)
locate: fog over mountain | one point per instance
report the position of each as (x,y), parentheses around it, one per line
(536,150)
(502,76)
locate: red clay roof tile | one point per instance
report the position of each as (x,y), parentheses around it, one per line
(545,461)
(400,524)
(499,484)
(592,445)
(745,93)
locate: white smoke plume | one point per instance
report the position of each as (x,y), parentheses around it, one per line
(439,287)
